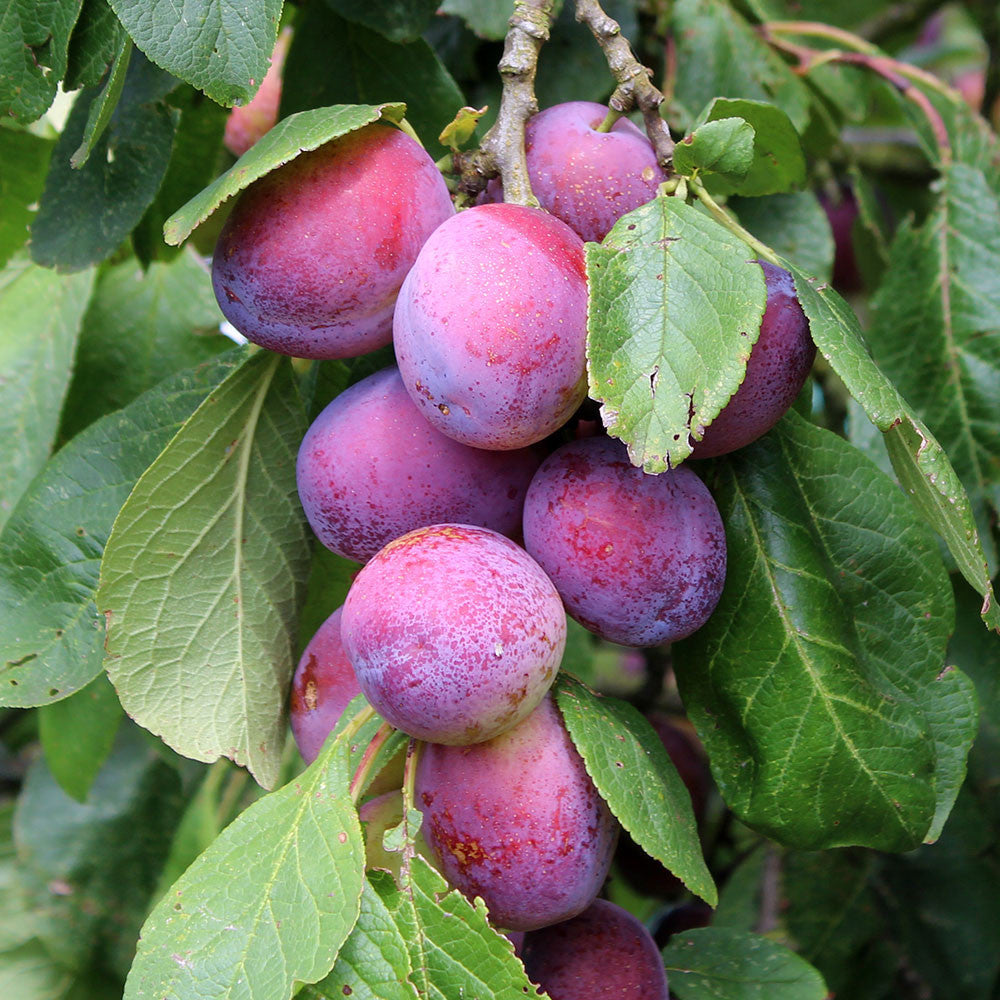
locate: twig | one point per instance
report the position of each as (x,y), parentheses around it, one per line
(635,88)
(502,148)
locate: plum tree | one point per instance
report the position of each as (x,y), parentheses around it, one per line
(778,367)
(518,821)
(490,326)
(638,559)
(322,686)
(586,177)
(311,260)
(455,633)
(605,953)
(370,469)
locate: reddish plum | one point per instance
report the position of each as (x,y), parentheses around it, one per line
(371,469)
(778,368)
(454,632)
(246,124)
(491,327)
(518,821)
(603,954)
(323,685)
(311,260)
(638,559)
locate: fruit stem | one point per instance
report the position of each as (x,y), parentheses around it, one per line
(635,86)
(722,216)
(406,127)
(360,779)
(609,121)
(413,750)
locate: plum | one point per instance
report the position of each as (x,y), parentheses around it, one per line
(247,123)
(518,821)
(491,326)
(589,179)
(778,368)
(311,260)
(370,469)
(637,559)
(322,687)
(455,633)
(605,953)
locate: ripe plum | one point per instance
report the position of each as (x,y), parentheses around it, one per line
(491,326)
(638,559)
(455,633)
(518,821)
(313,255)
(323,685)
(778,367)
(370,469)
(603,954)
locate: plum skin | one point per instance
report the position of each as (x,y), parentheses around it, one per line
(312,257)
(605,953)
(589,179)
(322,687)
(637,559)
(370,469)
(778,367)
(518,821)
(490,326)
(454,632)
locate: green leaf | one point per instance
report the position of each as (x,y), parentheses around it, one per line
(811,682)
(85,213)
(140,328)
(724,147)
(25,158)
(77,734)
(634,774)
(721,54)
(921,464)
(40,314)
(487,18)
(89,869)
(96,39)
(103,105)
(50,550)
(17,926)
(675,308)
(296,134)
(29,973)
(34,39)
(330,578)
(936,329)
(398,20)
(332,61)
(793,224)
(203,576)
(714,963)
(221,48)
(271,901)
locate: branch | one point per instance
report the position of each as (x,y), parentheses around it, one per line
(634,88)
(502,148)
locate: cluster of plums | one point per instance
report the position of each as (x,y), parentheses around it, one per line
(475,542)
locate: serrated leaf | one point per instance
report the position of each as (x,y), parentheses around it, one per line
(722,54)
(204,574)
(96,38)
(77,735)
(269,903)
(675,307)
(221,48)
(25,158)
(921,464)
(634,774)
(103,105)
(141,327)
(714,963)
(778,162)
(34,39)
(50,550)
(40,314)
(89,869)
(724,147)
(487,18)
(295,134)
(936,329)
(85,213)
(398,20)
(811,682)
(792,224)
